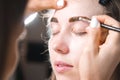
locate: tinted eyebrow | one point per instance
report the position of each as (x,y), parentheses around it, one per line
(53,19)
(78,18)
(72,19)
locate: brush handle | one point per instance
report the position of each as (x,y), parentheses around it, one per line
(110,27)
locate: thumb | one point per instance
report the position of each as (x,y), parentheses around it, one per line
(54,4)
(94,34)
(60,3)
(38,5)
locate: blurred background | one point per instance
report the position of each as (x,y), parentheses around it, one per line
(34,60)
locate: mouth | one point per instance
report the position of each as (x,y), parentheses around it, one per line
(61,67)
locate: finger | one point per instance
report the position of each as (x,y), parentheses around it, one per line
(38,5)
(110,50)
(94,35)
(48,4)
(60,3)
(113,37)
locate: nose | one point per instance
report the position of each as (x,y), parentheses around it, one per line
(61,46)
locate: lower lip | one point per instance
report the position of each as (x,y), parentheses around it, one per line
(61,69)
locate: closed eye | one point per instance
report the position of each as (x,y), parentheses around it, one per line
(80,33)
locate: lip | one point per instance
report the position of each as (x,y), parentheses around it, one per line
(61,67)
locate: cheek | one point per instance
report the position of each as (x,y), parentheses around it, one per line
(77,47)
(50,50)
(78,44)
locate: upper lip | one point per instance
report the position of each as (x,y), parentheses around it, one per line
(61,63)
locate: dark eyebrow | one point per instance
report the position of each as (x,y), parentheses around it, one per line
(78,18)
(54,19)
(72,19)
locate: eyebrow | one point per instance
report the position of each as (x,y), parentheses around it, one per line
(72,19)
(54,19)
(79,18)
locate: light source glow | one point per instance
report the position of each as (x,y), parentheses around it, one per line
(30,18)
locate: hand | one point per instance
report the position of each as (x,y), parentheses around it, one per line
(98,61)
(37,5)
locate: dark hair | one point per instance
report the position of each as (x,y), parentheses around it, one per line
(10,15)
(104,2)
(113,9)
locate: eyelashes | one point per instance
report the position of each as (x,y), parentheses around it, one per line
(78,28)
(73,32)
(81,33)
(53,28)
(55,31)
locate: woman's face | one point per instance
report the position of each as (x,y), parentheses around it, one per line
(68,39)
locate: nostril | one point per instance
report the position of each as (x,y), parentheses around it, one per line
(58,50)
(61,48)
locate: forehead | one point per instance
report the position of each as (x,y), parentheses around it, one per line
(86,8)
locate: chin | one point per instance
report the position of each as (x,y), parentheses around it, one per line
(67,77)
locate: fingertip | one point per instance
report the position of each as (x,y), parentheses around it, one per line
(60,4)
(94,26)
(94,29)
(94,22)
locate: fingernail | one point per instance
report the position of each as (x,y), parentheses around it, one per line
(94,22)
(60,3)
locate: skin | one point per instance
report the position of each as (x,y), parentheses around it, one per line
(106,57)
(38,5)
(12,57)
(80,46)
